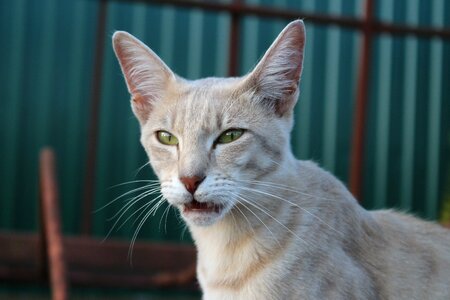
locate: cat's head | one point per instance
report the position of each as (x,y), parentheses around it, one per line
(208,139)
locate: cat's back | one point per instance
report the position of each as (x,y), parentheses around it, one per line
(406,258)
(415,256)
(402,228)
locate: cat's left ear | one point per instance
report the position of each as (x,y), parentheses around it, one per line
(276,77)
(146,75)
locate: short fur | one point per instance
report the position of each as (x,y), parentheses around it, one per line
(286,228)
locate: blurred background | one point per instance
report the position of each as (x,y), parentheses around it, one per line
(374,110)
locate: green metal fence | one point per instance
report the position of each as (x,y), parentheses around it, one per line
(45,84)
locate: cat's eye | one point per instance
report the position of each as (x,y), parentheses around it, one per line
(166,138)
(229,136)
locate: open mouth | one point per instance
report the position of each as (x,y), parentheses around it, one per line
(202,207)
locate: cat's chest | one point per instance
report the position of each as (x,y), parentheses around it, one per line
(245,275)
(226,287)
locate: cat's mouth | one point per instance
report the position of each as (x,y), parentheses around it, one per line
(202,207)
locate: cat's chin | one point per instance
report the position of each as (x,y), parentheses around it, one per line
(202,214)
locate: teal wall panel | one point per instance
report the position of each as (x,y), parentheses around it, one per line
(46,74)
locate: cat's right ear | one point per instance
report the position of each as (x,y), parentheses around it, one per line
(146,75)
(275,79)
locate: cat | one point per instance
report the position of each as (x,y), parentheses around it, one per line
(265,225)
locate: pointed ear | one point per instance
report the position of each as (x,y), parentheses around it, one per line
(276,77)
(145,73)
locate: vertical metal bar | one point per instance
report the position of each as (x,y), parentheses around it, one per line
(88,200)
(51,226)
(357,158)
(234,40)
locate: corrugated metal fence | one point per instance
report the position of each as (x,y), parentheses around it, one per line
(47,56)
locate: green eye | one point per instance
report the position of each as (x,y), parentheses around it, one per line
(229,136)
(166,138)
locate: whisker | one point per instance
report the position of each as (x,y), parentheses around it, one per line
(286,188)
(278,242)
(276,220)
(124,210)
(183,232)
(157,200)
(157,206)
(234,218)
(141,167)
(135,234)
(140,209)
(165,212)
(152,181)
(143,207)
(245,217)
(135,199)
(294,204)
(125,194)
(165,222)
(138,229)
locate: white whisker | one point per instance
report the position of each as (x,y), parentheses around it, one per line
(125,194)
(245,217)
(294,204)
(165,212)
(256,216)
(124,209)
(150,181)
(286,188)
(135,199)
(275,219)
(141,167)
(145,206)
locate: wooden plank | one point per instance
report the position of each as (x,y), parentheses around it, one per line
(92,262)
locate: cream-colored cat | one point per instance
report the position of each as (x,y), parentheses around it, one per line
(266,225)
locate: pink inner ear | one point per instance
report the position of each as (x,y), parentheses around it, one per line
(145,74)
(138,99)
(278,73)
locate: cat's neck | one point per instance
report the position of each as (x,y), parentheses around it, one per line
(246,222)
(302,193)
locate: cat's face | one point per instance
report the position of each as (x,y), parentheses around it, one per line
(208,139)
(220,136)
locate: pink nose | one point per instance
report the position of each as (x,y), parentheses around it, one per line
(191,183)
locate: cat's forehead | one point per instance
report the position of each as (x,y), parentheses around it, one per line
(205,104)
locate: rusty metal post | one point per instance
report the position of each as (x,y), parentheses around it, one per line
(91,161)
(362,94)
(235,31)
(52,239)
